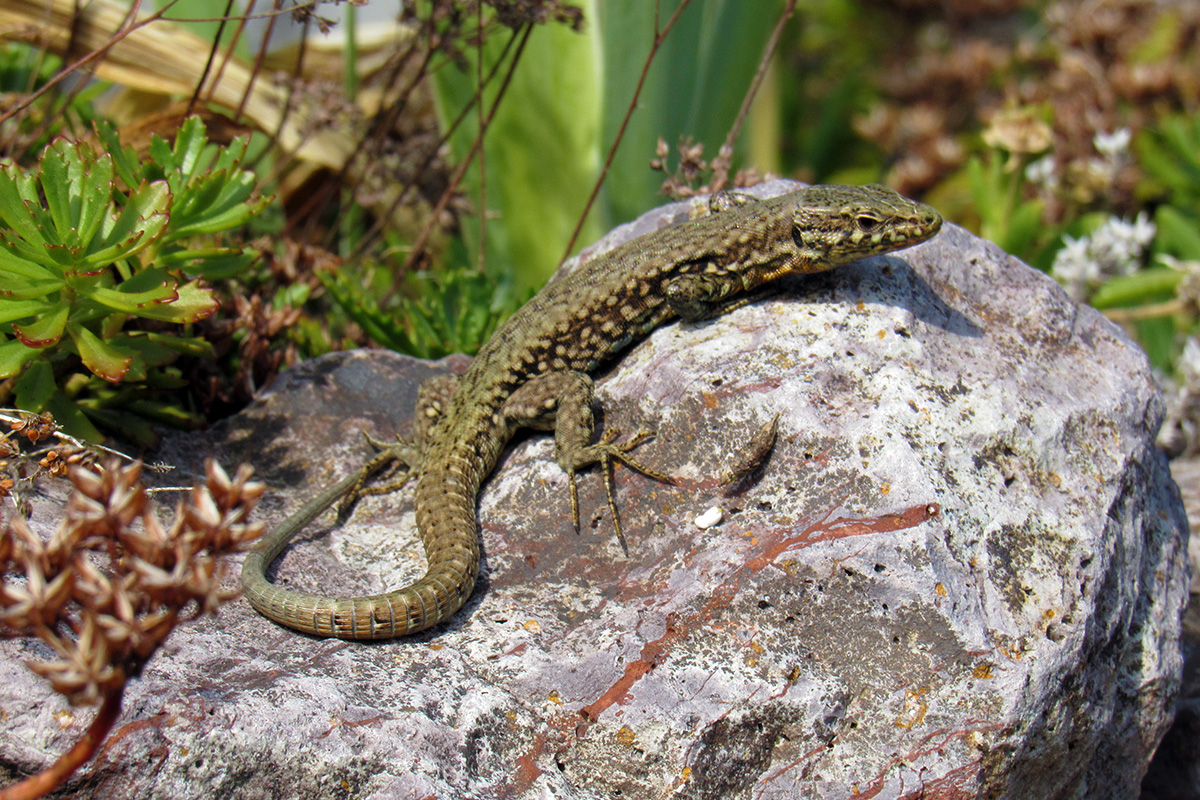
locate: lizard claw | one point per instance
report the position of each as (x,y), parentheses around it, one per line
(604,452)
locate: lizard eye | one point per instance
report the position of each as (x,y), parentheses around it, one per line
(866,223)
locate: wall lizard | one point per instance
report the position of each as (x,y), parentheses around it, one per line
(533,372)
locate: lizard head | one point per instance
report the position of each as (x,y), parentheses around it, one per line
(834,225)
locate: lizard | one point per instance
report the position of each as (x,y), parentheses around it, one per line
(534,372)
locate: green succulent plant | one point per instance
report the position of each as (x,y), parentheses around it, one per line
(90,241)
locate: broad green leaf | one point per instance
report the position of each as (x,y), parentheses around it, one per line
(231,155)
(1023,229)
(543,148)
(128,169)
(46,330)
(160,153)
(147,279)
(189,144)
(157,349)
(134,302)
(142,219)
(56,185)
(194,304)
(106,361)
(94,199)
(13,356)
(133,427)
(236,187)
(71,417)
(212,264)
(165,414)
(197,197)
(35,386)
(21,289)
(1153,285)
(1177,234)
(33,252)
(14,211)
(13,265)
(694,87)
(1157,337)
(11,310)
(230,218)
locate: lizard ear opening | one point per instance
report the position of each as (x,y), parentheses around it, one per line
(798,237)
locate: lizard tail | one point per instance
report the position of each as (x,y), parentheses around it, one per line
(451,549)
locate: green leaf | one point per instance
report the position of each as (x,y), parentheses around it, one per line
(214,263)
(125,160)
(131,426)
(158,349)
(143,218)
(94,197)
(13,355)
(132,302)
(46,330)
(16,289)
(694,87)
(224,220)
(540,166)
(56,184)
(11,310)
(110,363)
(165,414)
(1153,285)
(1023,229)
(193,304)
(35,386)
(161,154)
(1157,338)
(12,264)
(1177,234)
(71,417)
(14,211)
(189,144)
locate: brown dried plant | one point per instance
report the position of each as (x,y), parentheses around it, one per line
(1091,67)
(694,176)
(111,583)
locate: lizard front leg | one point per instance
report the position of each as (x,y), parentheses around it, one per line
(562,401)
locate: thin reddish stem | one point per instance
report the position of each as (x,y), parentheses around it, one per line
(45,781)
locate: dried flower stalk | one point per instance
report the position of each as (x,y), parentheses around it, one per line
(111,583)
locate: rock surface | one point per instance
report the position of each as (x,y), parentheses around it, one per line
(959,574)
(1174,773)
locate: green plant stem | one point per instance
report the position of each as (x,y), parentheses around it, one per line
(45,781)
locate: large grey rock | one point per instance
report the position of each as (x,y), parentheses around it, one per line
(960,574)
(1174,774)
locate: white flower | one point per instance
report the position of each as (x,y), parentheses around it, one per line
(1113,144)
(1074,267)
(1043,172)
(1115,248)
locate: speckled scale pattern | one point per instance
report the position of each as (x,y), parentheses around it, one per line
(695,269)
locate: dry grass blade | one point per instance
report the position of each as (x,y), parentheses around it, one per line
(68,28)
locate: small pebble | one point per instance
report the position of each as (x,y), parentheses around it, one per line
(710,518)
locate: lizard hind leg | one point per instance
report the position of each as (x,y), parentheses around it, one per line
(433,398)
(562,401)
